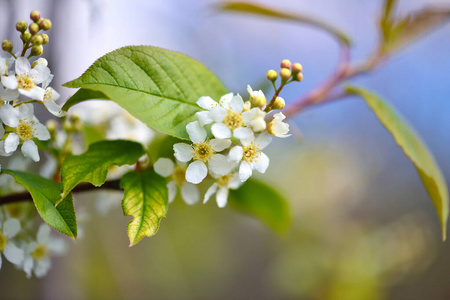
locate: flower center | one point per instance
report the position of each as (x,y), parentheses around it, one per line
(25,130)
(179,175)
(48,94)
(39,252)
(223,181)
(233,120)
(203,151)
(251,152)
(26,82)
(3,241)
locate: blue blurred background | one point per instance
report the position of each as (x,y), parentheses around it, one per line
(364,227)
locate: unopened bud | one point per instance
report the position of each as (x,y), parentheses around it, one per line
(285,74)
(67,126)
(37,40)
(45,24)
(75,118)
(39,61)
(285,64)
(298,77)
(25,37)
(37,50)
(258,100)
(35,15)
(279,103)
(258,124)
(44,38)
(21,26)
(51,126)
(7,45)
(297,68)
(272,75)
(34,28)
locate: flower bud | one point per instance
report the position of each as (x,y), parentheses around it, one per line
(45,24)
(37,40)
(34,28)
(21,26)
(25,37)
(258,124)
(37,50)
(44,38)
(285,64)
(35,15)
(279,103)
(39,61)
(272,75)
(51,126)
(298,77)
(285,74)
(7,45)
(297,68)
(258,101)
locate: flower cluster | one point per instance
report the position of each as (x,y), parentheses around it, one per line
(22,84)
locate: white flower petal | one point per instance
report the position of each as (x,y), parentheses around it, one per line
(258,125)
(220,145)
(245,171)
(43,234)
(262,163)
(57,246)
(34,93)
(42,133)
(11,142)
(172,189)
(13,253)
(164,167)
(244,134)
(263,140)
(11,227)
(54,108)
(203,117)
(225,100)
(41,73)
(29,149)
(222,197)
(220,165)
(183,152)
(10,115)
(237,104)
(211,190)
(235,154)
(196,172)
(189,193)
(8,95)
(2,149)
(234,182)
(46,82)
(220,131)
(217,113)
(22,66)
(42,267)
(10,82)
(206,102)
(196,132)
(27,110)
(28,265)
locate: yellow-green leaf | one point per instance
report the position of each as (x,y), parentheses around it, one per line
(414,148)
(256,9)
(145,199)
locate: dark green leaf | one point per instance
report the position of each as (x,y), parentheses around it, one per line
(45,194)
(414,148)
(255,9)
(263,202)
(92,166)
(145,199)
(157,86)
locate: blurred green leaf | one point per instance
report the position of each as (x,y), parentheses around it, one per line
(399,33)
(414,148)
(93,133)
(92,166)
(255,9)
(157,86)
(45,194)
(83,95)
(145,199)
(263,202)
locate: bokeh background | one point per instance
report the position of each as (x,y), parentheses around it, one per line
(363,225)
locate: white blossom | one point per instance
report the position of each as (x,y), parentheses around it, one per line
(221,186)
(277,127)
(50,97)
(255,119)
(9,230)
(177,175)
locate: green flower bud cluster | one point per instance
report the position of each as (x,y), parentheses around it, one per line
(30,35)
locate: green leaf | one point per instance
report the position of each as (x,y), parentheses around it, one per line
(263,202)
(255,9)
(414,148)
(145,199)
(92,166)
(157,86)
(83,95)
(413,26)
(45,194)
